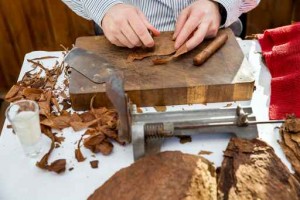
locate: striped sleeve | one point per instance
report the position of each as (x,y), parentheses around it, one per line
(235,8)
(91,9)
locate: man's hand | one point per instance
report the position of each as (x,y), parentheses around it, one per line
(198,21)
(126,26)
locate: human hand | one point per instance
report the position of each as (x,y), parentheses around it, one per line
(198,21)
(126,26)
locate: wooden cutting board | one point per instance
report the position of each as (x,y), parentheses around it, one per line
(226,76)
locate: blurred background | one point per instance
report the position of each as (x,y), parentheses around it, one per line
(29,25)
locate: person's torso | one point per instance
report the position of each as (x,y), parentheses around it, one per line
(161,13)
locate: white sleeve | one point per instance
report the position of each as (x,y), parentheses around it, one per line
(235,8)
(91,9)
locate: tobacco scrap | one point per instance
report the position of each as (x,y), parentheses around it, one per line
(160,108)
(78,154)
(290,142)
(184,139)
(203,152)
(58,166)
(94,164)
(251,170)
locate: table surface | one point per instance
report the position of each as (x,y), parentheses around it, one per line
(21,179)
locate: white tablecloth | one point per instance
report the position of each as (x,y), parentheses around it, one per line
(21,179)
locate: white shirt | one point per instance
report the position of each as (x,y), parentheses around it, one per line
(162,14)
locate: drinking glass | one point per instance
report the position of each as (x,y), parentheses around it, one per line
(24,117)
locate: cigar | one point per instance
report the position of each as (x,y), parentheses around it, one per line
(217,43)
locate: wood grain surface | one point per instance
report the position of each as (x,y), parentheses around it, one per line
(226,76)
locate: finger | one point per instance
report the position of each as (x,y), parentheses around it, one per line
(124,41)
(141,30)
(180,23)
(198,36)
(147,24)
(190,25)
(131,35)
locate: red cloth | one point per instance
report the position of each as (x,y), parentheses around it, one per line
(281,50)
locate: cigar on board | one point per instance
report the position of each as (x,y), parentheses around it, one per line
(217,43)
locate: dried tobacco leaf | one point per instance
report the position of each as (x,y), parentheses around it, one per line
(57,122)
(43,163)
(58,166)
(55,103)
(77,126)
(12,92)
(160,108)
(33,94)
(184,139)
(93,140)
(255,173)
(167,175)
(94,164)
(105,147)
(87,117)
(78,154)
(44,57)
(289,142)
(164,45)
(182,50)
(203,152)
(45,108)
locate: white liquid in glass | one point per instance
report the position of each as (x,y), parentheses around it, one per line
(27,127)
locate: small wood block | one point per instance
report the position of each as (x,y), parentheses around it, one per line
(226,76)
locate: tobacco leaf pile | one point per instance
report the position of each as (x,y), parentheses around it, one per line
(40,85)
(251,170)
(290,142)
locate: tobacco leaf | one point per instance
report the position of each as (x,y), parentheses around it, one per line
(33,94)
(203,152)
(289,142)
(45,108)
(111,133)
(58,139)
(255,173)
(55,103)
(77,126)
(57,122)
(94,164)
(160,108)
(43,163)
(44,57)
(105,147)
(164,45)
(87,117)
(78,154)
(292,125)
(93,140)
(12,92)
(58,166)
(182,50)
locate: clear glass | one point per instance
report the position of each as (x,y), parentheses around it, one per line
(24,117)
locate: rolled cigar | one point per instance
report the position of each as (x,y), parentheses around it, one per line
(217,43)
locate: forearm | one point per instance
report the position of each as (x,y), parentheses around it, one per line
(235,8)
(91,9)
